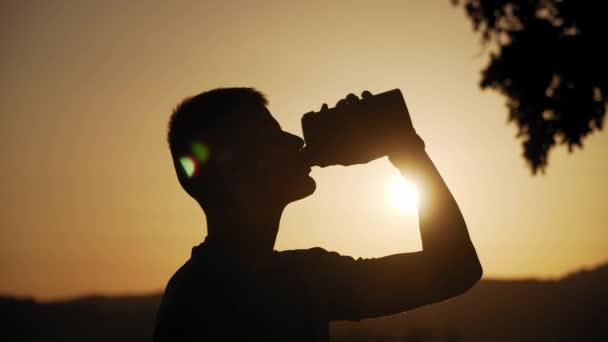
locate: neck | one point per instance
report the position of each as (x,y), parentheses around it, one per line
(248,234)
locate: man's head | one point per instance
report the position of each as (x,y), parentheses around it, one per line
(228,150)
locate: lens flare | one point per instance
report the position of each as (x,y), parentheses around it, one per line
(201,152)
(189,165)
(403,195)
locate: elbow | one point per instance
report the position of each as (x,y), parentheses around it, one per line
(466,277)
(473,275)
(457,280)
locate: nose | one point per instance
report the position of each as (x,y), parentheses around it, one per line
(295,140)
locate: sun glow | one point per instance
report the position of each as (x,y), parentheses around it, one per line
(402,195)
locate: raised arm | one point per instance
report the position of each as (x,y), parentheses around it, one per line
(446,267)
(446,246)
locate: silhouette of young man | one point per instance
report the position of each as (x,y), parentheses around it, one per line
(232,157)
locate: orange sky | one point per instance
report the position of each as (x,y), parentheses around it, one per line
(89,199)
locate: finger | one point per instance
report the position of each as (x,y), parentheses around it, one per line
(324,107)
(366,94)
(351,98)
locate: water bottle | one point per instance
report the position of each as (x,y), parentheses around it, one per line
(357,131)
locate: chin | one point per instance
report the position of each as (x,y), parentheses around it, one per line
(311,186)
(303,189)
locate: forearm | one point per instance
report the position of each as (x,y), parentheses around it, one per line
(445,239)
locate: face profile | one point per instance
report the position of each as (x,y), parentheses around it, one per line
(271,164)
(282,167)
(231,147)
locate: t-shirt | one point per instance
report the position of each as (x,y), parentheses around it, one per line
(294,299)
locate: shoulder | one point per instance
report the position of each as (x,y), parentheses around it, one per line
(315,252)
(180,275)
(177,281)
(311,252)
(179,304)
(317,257)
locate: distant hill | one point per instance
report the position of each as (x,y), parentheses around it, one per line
(88,319)
(574,308)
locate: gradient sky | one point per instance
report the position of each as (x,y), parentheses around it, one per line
(89,198)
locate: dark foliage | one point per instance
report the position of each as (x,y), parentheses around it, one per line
(550,63)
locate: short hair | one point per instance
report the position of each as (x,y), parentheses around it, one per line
(199,116)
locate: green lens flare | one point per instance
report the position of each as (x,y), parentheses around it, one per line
(201,152)
(188,165)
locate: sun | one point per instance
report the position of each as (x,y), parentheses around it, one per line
(402,195)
